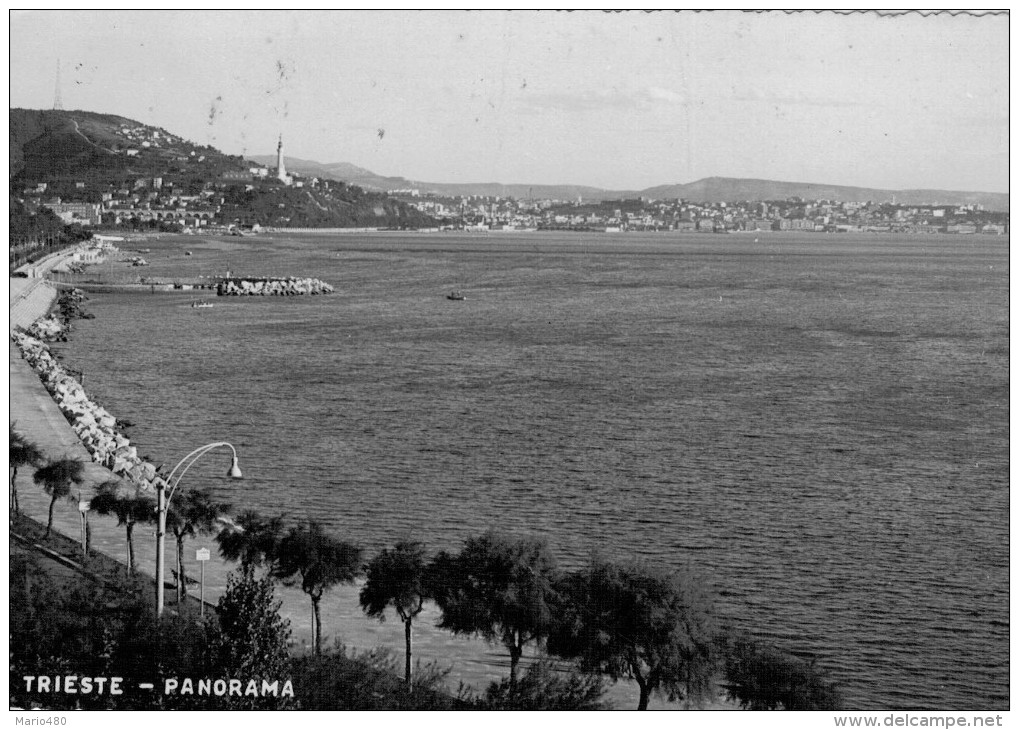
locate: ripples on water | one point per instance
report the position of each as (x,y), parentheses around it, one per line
(819,424)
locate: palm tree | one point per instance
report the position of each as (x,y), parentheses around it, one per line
(129,509)
(23,453)
(57,478)
(398,578)
(321,561)
(252,541)
(194,512)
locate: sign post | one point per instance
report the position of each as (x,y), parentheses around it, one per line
(202,556)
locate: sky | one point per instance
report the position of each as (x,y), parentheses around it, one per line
(621,101)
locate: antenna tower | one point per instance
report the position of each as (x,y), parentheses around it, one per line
(57,103)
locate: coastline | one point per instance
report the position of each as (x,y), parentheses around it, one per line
(37,416)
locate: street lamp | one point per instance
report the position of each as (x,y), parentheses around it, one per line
(163,504)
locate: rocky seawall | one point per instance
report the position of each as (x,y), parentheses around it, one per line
(56,326)
(290,286)
(94,425)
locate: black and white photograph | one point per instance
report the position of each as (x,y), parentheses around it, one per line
(509,360)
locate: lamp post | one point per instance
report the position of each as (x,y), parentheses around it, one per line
(163,504)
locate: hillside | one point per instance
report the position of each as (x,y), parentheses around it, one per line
(147,175)
(48,145)
(339,206)
(710,189)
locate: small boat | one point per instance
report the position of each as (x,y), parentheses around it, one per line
(456,296)
(201,305)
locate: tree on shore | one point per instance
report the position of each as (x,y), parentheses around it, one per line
(252,541)
(499,588)
(398,578)
(23,453)
(250,639)
(57,478)
(193,512)
(762,677)
(129,509)
(638,622)
(320,561)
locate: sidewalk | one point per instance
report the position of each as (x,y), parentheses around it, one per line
(30,300)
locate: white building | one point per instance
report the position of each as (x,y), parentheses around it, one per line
(281,168)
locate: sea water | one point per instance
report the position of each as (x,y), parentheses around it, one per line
(818,424)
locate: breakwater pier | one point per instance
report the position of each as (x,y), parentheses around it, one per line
(288,287)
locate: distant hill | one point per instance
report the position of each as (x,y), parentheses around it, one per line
(730,189)
(710,189)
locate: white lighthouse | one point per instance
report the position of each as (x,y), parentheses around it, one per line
(281,168)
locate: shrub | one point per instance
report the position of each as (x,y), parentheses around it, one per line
(762,677)
(543,687)
(368,681)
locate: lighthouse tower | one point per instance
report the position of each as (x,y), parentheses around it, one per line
(281,168)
